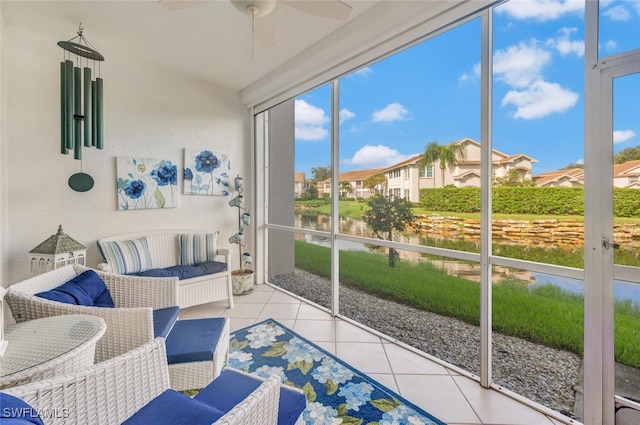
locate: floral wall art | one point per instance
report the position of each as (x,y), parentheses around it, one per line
(146,183)
(206,172)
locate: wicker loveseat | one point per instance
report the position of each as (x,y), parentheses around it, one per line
(133,388)
(169,252)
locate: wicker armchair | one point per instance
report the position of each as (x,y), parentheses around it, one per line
(129,324)
(112,391)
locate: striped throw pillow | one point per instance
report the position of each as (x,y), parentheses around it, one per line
(198,248)
(129,256)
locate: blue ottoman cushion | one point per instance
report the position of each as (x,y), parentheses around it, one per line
(172,407)
(163,320)
(231,387)
(194,340)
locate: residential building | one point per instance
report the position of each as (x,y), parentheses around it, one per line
(625,175)
(351,183)
(406,178)
(300,184)
(570,177)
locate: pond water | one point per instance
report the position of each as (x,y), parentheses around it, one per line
(622,290)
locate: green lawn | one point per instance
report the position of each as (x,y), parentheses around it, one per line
(545,315)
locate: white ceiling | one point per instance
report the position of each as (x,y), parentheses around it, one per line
(210,41)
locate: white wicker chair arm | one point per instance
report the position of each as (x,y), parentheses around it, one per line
(138,291)
(104,267)
(259,408)
(107,393)
(127,328)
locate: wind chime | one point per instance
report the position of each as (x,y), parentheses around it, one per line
(80,102)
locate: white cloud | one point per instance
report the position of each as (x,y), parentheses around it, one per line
(580,161)
(541,10)
(617,13)
(610,45)
(345,115)
(471,76)
(310,121)
(564,45)
(620,136)
(391,112)
(520,65)
(308,114)
(370,156)
(540,99)
(310,133)
(365,72)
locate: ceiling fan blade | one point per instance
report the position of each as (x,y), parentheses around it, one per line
(332,9)
(264,31)
(180,4)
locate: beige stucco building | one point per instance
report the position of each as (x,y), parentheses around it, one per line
(355,187)
(625,175)
(406,178)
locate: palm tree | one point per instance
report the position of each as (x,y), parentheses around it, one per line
(376,183)
(448,155)
(345,189)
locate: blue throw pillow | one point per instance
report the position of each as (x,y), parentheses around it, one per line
(85,289)
(17,411)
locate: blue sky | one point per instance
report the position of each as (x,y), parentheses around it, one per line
(392,109)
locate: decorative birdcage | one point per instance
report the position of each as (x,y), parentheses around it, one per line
(57,251)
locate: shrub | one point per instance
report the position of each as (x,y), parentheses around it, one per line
(526,200)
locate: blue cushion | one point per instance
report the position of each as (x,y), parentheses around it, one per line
(16,411)
(194,340)
(163,320)
(174,408)
(231,387)
(185,272)
(85,289)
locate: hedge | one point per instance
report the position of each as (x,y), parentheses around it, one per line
(526,200)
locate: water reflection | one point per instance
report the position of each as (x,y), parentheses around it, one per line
(467,270)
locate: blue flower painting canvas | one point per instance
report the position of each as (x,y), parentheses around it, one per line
(146,183)
(206,172)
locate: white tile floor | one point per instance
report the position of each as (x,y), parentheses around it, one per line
(441,391)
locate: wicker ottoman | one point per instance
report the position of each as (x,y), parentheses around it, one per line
(197,349)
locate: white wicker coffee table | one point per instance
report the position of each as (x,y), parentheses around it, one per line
(50,346)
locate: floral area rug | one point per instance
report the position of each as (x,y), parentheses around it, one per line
(336,392)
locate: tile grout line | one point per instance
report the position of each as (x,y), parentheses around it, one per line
(464,395)
(393,373)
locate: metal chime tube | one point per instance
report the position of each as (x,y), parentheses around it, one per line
(94,121)
(88,103)
(63,115)
(80,98)
(98,113)
(68,107)
(77,129)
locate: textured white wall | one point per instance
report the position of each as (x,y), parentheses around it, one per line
(4,223)
(147,113)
